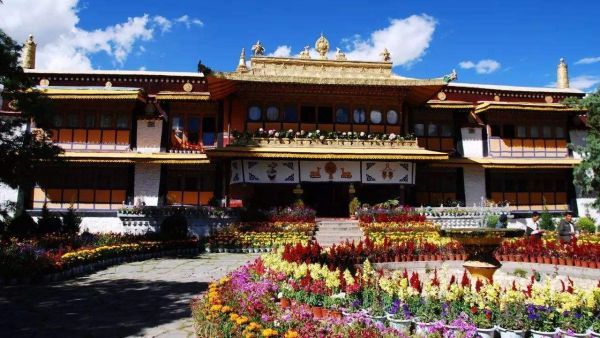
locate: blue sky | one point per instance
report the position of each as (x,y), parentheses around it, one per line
(499,42)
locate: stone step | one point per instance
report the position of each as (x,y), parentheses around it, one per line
(346,224)
(339,233)
(338,229)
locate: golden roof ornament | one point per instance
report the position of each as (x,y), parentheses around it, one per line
(305,54)
(258,49)
(339,55)
(387,56)
(562,75)
(451,77)
(242,64)
(29,53)
(322,46)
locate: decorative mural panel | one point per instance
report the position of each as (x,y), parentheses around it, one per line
(330,171)
(379,172)
(262,171)
(237,174)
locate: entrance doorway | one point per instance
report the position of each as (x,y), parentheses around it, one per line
(329,199)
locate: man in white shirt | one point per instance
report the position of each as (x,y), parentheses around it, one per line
(534,229)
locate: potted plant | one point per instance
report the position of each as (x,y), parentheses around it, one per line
(575,324)
(482,319)
(595,328)
(542,319)
(399,316)
(428,311)
(512,321)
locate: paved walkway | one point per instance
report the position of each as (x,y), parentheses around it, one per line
(141,299)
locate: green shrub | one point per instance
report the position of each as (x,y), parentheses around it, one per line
(491,221)
(48,223)
(174,227)
(546,221)
(22,226)
(586,224)
(71,222)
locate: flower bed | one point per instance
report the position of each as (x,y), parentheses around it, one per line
(388,213)
(31,260)
(276,296)
(384,228)
(260,236)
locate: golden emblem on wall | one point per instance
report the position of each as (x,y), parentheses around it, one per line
(108,84)
(322,46)
(188,87)
(549,99)
(441,96)
(496,98)
(44,82)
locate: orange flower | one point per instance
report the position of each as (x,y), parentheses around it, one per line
(291,334)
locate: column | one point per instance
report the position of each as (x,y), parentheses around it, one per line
(147,183)
(475,189)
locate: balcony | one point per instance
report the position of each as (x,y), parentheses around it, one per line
(523,147)
(90,139)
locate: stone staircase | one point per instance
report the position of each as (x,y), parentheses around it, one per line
(333,231)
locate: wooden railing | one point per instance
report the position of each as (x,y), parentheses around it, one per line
(177,197)
(91,139)
(516,147)
(533,201)
(310,142)
(437,143)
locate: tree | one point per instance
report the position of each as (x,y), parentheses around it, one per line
(586,175)
(20,150)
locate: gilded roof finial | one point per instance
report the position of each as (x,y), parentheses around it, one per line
(242,64)
(451,77)
(322,46)
(339,55)
(29,53)
(258,49)
(387,56)
(562,75)
(305,54)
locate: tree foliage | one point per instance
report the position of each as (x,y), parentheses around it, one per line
(587,174)
(20,151)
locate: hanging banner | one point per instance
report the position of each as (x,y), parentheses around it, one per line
(263,171)
(329,171)
(375,172)
(237,175)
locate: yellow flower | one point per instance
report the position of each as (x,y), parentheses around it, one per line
(269,333)
(291,334)
(225,309)
(216,308)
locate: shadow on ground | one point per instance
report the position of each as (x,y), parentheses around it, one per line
(105,308)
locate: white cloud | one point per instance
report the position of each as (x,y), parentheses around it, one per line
(587,61)
(282,51)
(486,66)
(406,39)
(63,45)
(185,19)
(164,23)
(584,82)
(142,68)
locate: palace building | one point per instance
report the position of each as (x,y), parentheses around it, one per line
(322,128)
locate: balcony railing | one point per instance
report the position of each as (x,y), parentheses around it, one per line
(316,142)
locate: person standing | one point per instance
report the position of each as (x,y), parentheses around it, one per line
(502,222)
(566,229)
(534,229)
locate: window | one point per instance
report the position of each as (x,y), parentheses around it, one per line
(177,123)
(419,129)
(308,114)
(58,121)
(193,132)
(290,114)
(341,115)
(375,116)
(432,130)
(209,128)
(106,121)
(273,113)
(122,121)
(90,121)
(521,131)
(559,132)
(254,113)
(359,115)
(325,115)
(496,130)
(72,120)
(446,130)
(534,132)
(392,117)
(547,131)
(508,131)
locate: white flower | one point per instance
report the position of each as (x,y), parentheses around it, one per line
(301,132)
(290,131)
(277,134)
(280,295)
(322,138)
(362,134)
(392,136)
(297,133)
(317,132)
(271,132)
(344,134)
(309,134)
(261,130)
(340,295)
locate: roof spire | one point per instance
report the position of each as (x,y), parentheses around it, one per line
(562,75)
(29,53)
(242,64)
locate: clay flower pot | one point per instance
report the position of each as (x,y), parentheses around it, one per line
(317,312)
(284,303)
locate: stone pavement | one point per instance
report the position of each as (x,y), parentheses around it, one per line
(140,299)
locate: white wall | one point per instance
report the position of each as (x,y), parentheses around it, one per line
(146,183)
(472,143)
(474,178)
(149,133)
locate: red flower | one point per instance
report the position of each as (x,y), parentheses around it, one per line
(474,310)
